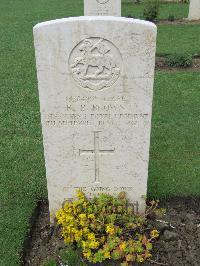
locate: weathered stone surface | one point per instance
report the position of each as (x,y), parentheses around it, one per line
(95,78)
(194,10)
(102,8)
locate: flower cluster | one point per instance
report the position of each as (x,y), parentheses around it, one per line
(106,227)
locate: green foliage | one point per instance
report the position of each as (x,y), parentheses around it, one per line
(179,60)
(160,212)
(185,1)
(136,10)
(67,256)
(171,18)
(151,10)
(51,262)
(71,257)
(106,227)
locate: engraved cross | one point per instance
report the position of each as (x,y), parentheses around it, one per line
(96,152)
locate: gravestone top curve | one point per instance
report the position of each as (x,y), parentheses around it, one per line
(96,19)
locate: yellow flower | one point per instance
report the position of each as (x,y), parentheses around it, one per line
(103,239)
(85,204)
(68,240)
(110,229)
(80,194)
(154,233)
(130,257)
(107,255)
(87,254)
(91,236)
(84,245)
(93,244)
(82,216)
(122,246)
(78,235)
(67,206)
(91,216)
(140,258)
(85,230)
(60,216)
(83,219)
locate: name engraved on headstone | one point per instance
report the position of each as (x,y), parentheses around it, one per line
(91,111)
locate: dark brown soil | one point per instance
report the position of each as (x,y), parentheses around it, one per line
(161,65)
(179,243)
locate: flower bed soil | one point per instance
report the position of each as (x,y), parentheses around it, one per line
(179,242)
(162,65)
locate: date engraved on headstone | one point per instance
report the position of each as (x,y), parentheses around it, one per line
(95,63)
(96,152)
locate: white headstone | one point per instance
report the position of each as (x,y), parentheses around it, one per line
(194,10)
(102,8)
(95,77)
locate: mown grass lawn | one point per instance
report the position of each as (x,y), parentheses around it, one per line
(177,10)
(174,163)
(174,39)
(175,142)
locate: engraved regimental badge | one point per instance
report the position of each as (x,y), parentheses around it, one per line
(95,63)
